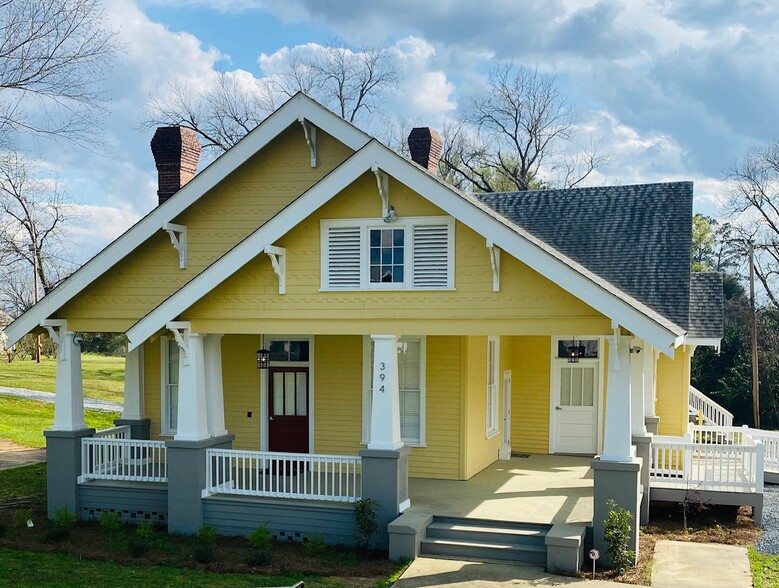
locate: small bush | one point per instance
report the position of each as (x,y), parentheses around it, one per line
(206,534)
(616,534)
(366,521)
(138,548)
(64,519)
(21,516)
(261,541)
(56,534)
(146,531)
(315,546)
(204,552)
(110,523)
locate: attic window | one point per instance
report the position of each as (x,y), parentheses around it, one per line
(362,254)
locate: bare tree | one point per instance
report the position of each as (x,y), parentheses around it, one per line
(348,82)
(753,207)
(519,134)
(33,213)
(53,56)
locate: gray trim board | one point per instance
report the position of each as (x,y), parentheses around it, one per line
(133,502)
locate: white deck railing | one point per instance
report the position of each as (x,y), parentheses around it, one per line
(713,413)
(120,432)
(128,460)
(730,435)
(283,475)
(680,462)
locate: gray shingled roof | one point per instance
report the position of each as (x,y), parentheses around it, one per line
(706,305)
(637,237)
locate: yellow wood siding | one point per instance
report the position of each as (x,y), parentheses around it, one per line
(531,371)
(527,303)
(152,386)
(673,381)
(241,388)
(243,201)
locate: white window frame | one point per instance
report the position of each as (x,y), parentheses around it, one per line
(165,429)
(493,386)
(367,382)
(365,225)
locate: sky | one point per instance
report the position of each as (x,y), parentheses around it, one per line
(674,89)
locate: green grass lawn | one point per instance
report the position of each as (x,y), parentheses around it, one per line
(25,568)
(23,421)
(102,376)
(24,482)
(765,569)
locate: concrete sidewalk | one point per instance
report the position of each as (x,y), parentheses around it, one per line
(700,565)
(90,403)
(14,456)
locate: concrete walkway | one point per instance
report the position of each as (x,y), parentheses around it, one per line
(14,456)
(700,565)
(90,403)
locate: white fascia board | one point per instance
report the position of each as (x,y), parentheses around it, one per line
(704,342)
(567,274)
(299,105)
(253,245)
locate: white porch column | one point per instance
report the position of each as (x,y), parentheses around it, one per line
(69,393)
(385,405)
(133,385)
(214,387)
(637,424)
(650,369)
(192,411)
(617,439)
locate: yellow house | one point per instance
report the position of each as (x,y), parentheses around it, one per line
(316,319)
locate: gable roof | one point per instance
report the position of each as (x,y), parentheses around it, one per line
(571,275)
(706,297)
(636,237)
(297,107)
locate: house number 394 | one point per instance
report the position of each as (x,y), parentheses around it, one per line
(382,375)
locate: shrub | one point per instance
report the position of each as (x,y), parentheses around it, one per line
(315,546)
(616,534)
(64,519)
(110,523)
(366,521)
(21,516)
(206,534)
(204,550)
(261,541)
(146,531)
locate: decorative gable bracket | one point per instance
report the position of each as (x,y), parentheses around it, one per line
(495,264)
(181,331)
(382,183)
(309,131)
(178,237)
(278,259)
(55,328)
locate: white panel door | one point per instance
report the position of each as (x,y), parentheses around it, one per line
(575,410)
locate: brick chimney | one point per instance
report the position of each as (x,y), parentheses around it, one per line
(176,152)
(425,146)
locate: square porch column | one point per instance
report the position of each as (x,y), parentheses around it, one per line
(616,472)
(212,349)
(133,409)
(63,440)
(385,461)
(651,356)
(642,439)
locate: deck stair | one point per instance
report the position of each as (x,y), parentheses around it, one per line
(702,408)
(476,539)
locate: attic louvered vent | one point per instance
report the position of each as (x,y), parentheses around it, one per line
(343,247)
(431,256)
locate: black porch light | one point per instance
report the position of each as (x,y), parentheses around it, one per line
(263,359)
(575,351)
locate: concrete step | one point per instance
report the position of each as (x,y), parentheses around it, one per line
(485,551)
(481,533)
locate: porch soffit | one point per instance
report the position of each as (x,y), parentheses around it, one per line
(299,106)
(568,274)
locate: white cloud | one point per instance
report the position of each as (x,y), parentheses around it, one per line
(97,226)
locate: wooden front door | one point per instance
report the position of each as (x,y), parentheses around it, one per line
(288,409)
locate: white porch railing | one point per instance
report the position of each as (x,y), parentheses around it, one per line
(120,432)
(128,460)
(730,435)
(713,413)
(680,462)
(284,475)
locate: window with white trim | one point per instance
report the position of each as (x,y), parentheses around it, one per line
(411,253)
(170,385)
(411,382)
(493,367)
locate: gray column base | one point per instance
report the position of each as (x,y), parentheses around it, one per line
(187,479)
(618,481)
(139,428)
(565,548)
(643,445)
(63,467)
(652,423)
(385,480)
(406,533)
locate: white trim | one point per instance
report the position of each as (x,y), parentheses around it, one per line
(165,429)
(554,383)
(367,378)
(278,259)
(288,114)
(309,132)
(566,273)
(494,265)
(505,449)
(178,238)
(493,342)
(704,342)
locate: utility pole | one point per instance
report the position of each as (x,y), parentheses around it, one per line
(755,383)
(34,252)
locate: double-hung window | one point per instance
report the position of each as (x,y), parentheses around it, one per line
(366,254)
(411,384)
(170,385)
(493,367)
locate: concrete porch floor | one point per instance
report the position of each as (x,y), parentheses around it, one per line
(534,489)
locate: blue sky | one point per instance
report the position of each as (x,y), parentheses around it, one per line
(676,90)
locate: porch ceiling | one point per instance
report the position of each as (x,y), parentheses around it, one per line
(536,489)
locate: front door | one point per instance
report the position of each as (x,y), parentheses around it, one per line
(288,409)
(575,408)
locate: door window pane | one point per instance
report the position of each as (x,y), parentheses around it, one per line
(289,350)
(289,393)
(301,387)
(278,393)
(565,387)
